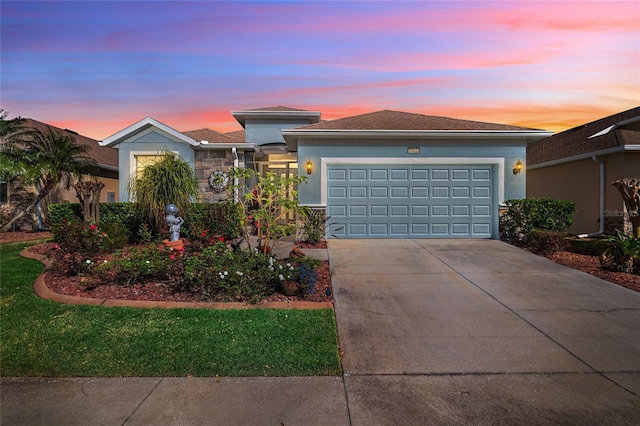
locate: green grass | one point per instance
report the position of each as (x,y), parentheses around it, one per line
(44,338)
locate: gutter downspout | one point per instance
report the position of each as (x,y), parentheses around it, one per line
(602,199)
(234,151)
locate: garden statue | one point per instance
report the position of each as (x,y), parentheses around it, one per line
(173,222)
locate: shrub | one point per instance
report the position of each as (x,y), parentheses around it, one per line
(140,263)
(547,242)
(622,253)
(216,218)
(314,224)
(60,212)
(524,215)
(219,272)
(78,244)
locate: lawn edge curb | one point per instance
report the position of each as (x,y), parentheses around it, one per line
(43,291)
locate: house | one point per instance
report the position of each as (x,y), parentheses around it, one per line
(14,196)
(386,174)
(580,164)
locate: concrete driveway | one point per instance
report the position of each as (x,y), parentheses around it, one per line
(480,332)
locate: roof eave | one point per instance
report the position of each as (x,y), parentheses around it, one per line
(239,146)
(291,136)
(242,115)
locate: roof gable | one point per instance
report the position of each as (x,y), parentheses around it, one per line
(142,126)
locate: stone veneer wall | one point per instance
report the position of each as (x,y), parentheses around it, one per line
(209,161)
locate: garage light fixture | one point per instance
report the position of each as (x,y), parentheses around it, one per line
(518,167)
(309,167)
(413,150)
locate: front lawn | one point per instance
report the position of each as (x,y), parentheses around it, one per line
(44,338)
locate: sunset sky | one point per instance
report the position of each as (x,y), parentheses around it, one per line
(97,67)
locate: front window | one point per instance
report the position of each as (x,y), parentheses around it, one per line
(143,161)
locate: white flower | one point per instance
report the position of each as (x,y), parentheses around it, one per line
(281,277)
(105,261)
(226,273)
(239,273)
(280,266)
(88,261)
(148,261)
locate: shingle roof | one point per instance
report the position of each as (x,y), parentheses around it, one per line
(237,135)
(101,154)
(398,120)
(209,135)
(578,140)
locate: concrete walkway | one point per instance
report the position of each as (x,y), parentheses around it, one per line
(433,332)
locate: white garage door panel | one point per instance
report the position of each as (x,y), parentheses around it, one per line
(423,201)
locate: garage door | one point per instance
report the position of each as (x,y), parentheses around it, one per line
(417,201)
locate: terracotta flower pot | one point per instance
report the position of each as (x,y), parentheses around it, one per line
(289,288)
(175,245)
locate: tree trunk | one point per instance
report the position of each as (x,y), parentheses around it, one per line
(88,194)
(95,200)
(630,191)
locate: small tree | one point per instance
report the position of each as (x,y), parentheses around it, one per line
(171,180)
(269,198)
(88,193)
(630,191)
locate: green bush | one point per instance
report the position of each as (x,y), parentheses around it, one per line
(622,253)
(59,212)
(547,242)
(78,244)
(217,219)
(244,275)
(524,215)
(136,264)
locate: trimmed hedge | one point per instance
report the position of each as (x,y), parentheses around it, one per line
(218,218)
(525,215)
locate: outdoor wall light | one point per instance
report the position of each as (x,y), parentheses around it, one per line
(309,167)
(518,167)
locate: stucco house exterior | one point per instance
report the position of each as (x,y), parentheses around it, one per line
(386,174)
(15,196)
(580,164)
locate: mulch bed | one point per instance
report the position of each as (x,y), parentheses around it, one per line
(591,264)
(61,283)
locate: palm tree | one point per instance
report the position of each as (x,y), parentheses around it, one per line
(45,159)
(10,131)
(170,180)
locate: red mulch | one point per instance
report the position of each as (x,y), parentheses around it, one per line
(591,264)
(16,237)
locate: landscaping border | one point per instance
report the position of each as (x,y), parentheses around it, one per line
(42,290)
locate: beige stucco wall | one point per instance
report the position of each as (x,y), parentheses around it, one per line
(60,195)
(579,181)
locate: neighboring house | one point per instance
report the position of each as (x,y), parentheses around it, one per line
(580,164)
(14,196)
(386,174)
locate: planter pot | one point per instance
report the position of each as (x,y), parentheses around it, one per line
(289,288)
(175,245)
